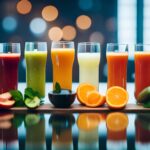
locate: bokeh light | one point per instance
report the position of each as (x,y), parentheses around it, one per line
(9,24)
(69,32)
(55,34)
(97,37)
(50,13)
(83,22)
(38,26)
(85,4)
(24,7)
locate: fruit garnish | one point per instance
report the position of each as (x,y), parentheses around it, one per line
(144,95)
(6,95)
(95,99)
(6,104)
(116,97)
(117,121)
(83,90)
(57,88)
(32,103)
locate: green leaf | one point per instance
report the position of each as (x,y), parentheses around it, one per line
(30,93)
(146,104)
(57,88)
(16,95)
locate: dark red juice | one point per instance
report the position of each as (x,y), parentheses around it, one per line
(9,72)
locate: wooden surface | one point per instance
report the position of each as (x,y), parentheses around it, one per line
(76,108)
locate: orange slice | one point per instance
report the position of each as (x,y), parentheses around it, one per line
(116,97)
(82,91)
(117,121)
(88,121)
(94,99)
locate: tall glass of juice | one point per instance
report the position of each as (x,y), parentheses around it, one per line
(62,54)
(9,61)
(142,67)
(89,60)
(36,56)
(117,59)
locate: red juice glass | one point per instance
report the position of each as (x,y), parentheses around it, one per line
(9,60)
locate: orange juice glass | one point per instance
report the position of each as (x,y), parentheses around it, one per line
(117,59)
(62,54)
(142,67)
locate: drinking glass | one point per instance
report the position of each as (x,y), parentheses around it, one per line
(89,60)
(142,67)
(9,61)
(62,54)
(36,56)
(117,59)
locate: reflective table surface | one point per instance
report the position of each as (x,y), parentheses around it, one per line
(78,131)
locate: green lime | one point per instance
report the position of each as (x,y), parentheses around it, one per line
(32,103)
(32,119)
(144,95)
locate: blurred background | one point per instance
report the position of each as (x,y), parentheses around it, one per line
(104,21)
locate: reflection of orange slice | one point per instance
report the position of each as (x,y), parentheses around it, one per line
(83,90)
(116,97)
(88,121)
(95,99)
(117,121)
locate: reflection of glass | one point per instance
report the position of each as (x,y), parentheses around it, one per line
(88,131)
(142,67)
(142,125)
(117,59)
(8,133)
(9,61)
(89,59)
(62,133)
(35,132)
(36,55)
(116,131)
(62,54)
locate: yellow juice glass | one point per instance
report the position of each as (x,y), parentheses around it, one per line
(62,54)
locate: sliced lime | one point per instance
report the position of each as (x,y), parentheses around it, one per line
(32,119)
(32,103)
(144,95)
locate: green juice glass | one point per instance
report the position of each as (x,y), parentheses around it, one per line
(36,56)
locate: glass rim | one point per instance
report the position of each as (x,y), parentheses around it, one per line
(9,43)
(37,42)
(62,42)
(88,43)
(116,44)
(142,44)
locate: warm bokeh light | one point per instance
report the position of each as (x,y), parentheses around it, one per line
(84,22)
(50,13)
(55,34)
(69,32)
(24,7)
(97,37)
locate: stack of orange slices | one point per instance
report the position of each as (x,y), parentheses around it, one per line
(116,97)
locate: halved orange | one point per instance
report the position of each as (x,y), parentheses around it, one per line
(88,121)
(116,97)
(83,90)
(95,99)
(117,121)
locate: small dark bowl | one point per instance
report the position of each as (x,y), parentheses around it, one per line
(63,99)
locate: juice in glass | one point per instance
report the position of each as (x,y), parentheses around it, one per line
(89,60)
(36,69)
(9,61)
(142,71)
(117,68)
(62,60)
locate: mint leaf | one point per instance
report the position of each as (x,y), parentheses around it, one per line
(18,97)
(30,93)
(146,104)
(57,88)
